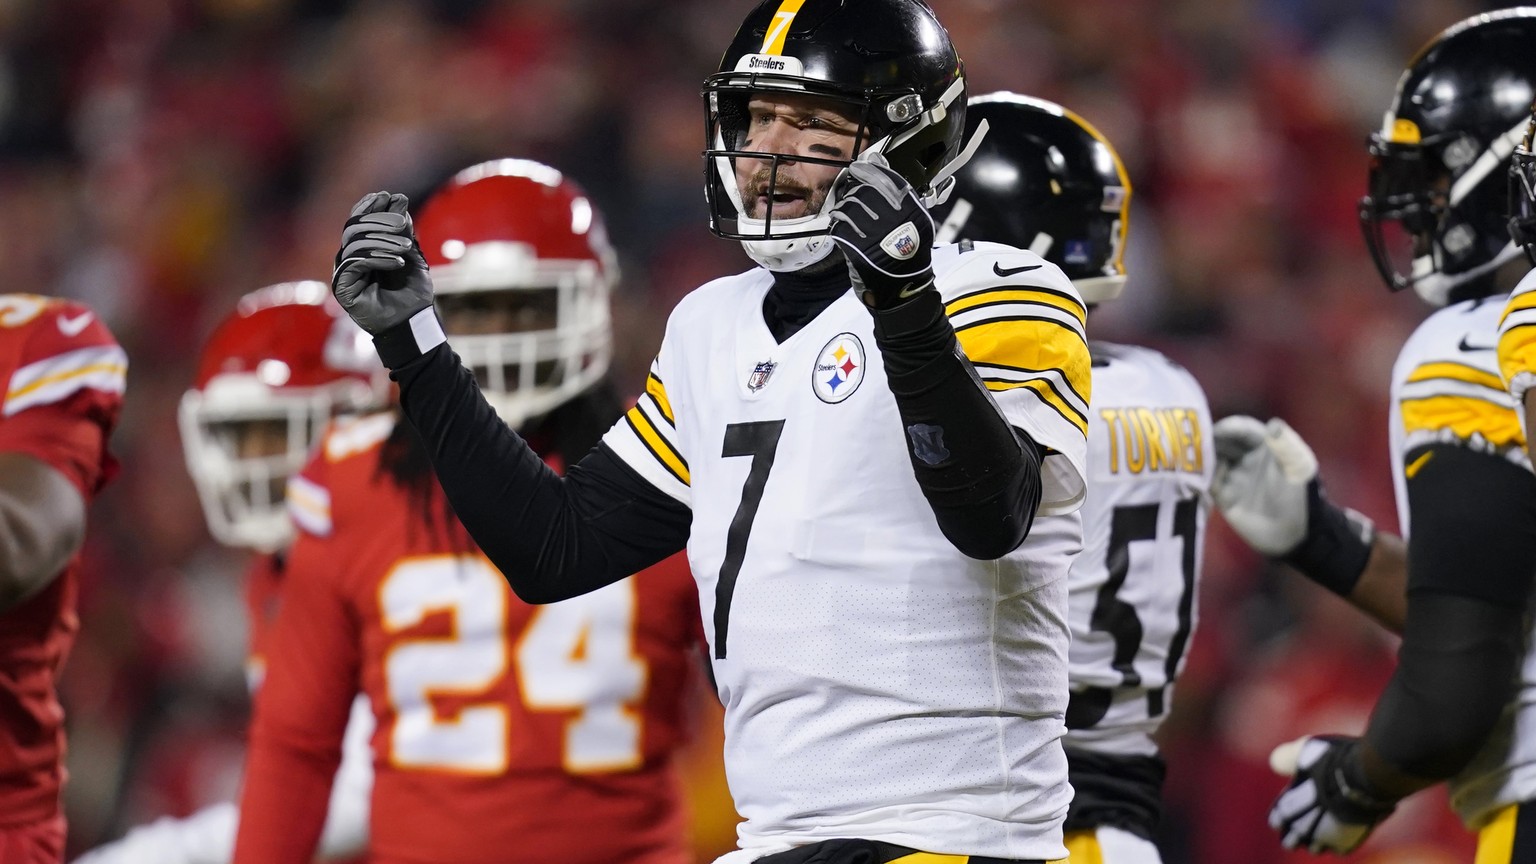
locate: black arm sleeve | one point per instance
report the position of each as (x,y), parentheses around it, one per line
(552,538)
(980,475)
(1471,560)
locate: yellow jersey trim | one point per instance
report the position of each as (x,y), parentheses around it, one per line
(1523,300)
(1008,294)
(1455,372)
(1048,395)
(654,388)
(658,446)
(1464,416)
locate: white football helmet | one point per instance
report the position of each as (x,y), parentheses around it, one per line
(522,270)
(270,378)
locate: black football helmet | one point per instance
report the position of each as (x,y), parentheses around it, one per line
(889,66)
(1043,179)
(1435,215)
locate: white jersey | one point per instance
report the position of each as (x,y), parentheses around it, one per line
(1132,606)
(1446,390)
(876,682)
(1517,341)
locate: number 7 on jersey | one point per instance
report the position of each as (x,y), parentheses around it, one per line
(760,440)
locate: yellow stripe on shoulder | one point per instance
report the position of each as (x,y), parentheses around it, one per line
(1463,416)
(655,389)
(1049,396)
(657,445)
(1517,351)
(1455,372)
(1013,294)
(1030,345)
(1517,303)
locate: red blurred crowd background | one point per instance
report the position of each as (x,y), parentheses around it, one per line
(158,158)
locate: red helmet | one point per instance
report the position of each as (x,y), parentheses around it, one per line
(280,366)
(522,269)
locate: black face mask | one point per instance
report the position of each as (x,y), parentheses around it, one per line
(1405,206)
(1522,198)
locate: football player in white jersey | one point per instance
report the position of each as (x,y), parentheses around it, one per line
(1462,704)
(1045,179)
(852,441)
(1517,325)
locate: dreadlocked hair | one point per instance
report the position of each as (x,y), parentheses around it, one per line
(569,432)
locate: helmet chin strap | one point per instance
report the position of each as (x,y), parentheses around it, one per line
(787,256)
(1435,288)
(943,181)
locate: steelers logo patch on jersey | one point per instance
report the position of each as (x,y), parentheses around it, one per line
(839,369)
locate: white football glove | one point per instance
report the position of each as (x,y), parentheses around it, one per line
(1261,479)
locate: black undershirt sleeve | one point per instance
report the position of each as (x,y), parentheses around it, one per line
(1471,562)
(552,538)
(981,475)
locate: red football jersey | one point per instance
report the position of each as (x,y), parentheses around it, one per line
(263,588)
(504,731)
(61,384)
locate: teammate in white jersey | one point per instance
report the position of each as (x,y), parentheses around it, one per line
(855,473)
(1517,326)
(1043,178)
(1461,705)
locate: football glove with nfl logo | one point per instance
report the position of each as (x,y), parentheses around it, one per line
(884,231)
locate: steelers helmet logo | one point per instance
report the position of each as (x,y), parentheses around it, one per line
(839,369)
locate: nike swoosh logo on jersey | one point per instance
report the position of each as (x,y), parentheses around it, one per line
(76,325)
(1468,346)
(1009,271)
(910,290)
(1415,465)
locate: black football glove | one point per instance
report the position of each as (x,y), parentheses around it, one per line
(885,233)
(1325,808)
(381,278)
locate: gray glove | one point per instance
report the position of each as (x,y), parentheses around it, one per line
(381,278)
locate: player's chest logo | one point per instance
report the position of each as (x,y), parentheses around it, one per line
(760,375)
(839,369)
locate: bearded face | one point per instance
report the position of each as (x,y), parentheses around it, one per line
(790,125)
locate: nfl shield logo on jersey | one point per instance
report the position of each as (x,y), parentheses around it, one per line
(839,369)
(759,377)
